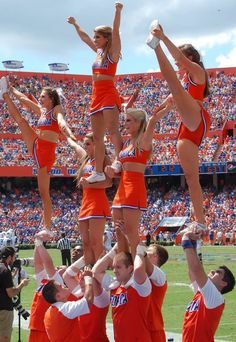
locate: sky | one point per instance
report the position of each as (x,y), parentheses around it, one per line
(37,33)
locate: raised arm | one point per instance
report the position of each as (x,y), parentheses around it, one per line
(82,34)
(35,107)
(116,43)
(158,114)
(195,267)
(197,73)
(99,269)
(78,149)
(140,274)
(64,128)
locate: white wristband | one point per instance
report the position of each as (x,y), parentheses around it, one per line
(141,250)
(88,280)
(111,254)
(70,272)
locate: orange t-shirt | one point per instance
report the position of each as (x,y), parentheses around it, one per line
(155,319)
(61,320)
(200,323)
(38,308)
(129,313)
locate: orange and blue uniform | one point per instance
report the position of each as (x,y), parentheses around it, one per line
(131,301)
(94,204)
(104,93)
(203,314)
(93,324)
(44,152)
(155,319)
(197,92)
(62,320)
(36,325)
(132,192)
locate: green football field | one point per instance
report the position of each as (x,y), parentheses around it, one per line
(178,293)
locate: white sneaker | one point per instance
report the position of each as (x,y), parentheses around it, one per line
(3,86)
(152,41)
(44,234)
(194,227)
(96,177)
(117,166)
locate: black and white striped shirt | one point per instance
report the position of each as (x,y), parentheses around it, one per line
(63,243)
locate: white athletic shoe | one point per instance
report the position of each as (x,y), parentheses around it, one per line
(117,166)
(44,235)
(196,228)
(96,177)
(152,41)
(3,86)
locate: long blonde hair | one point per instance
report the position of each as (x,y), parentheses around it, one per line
(139,115)
(84,160)
(106,32)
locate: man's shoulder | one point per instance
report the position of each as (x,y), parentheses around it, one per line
(3,268)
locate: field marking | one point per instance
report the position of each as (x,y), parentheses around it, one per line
(179,284)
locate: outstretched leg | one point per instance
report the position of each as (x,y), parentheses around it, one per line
(188,156)
(44,185)
(28,134)
(188,108)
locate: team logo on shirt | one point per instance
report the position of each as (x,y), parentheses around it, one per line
(185,85)
(88,169)
(99,65)
(118,300)
(193,306)
(127,153)
(44,121)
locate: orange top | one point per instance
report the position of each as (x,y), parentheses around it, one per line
(107,68)
(129,314)
(200,323)
(194,89)
(89,167)
(134,155)
(47,121)
(155,319)
(62,320)
(93,325)
(38,308)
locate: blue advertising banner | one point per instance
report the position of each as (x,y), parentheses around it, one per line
(176,169)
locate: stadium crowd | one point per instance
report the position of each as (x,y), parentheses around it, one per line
(77,97)
(20,209)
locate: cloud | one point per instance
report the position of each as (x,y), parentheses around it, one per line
(227,60)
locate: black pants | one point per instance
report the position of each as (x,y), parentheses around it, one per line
(65,256)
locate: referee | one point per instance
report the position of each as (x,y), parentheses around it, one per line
(64,245)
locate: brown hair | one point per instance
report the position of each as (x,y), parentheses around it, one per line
(53,95)
(161,252)
(229,279)
(49,292)
(125,257)
(106,32)
(189,51)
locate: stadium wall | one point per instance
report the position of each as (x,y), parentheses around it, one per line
(87,78)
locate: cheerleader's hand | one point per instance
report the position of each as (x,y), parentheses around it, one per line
(109,171)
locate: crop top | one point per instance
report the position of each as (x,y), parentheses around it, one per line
(47,121)
(89,167)
(133,155)
(194,89)
(107,68)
